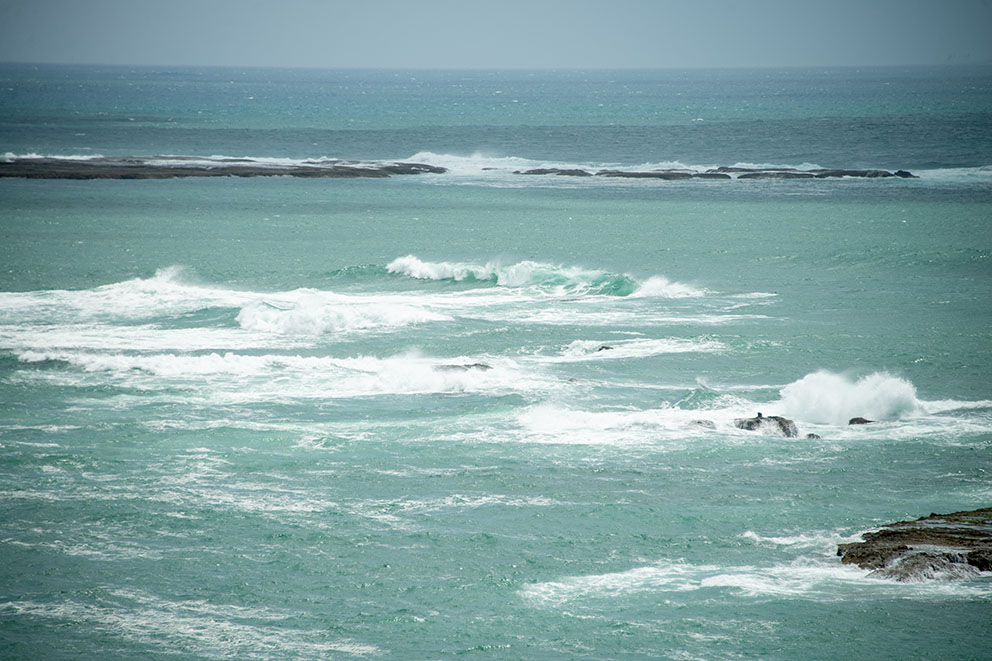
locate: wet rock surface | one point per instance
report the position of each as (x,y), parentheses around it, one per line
(939,546)
(775,422)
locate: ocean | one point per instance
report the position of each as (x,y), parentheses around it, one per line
(482,414)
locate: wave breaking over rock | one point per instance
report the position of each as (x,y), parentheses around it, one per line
(939,546)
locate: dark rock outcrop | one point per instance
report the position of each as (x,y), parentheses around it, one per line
(668,175)
(776,174)
(171,167)
(575,172)
(956,545)
(482,367)
(860,421)
(783,425)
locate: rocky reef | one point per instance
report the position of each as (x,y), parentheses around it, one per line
(725,173)
(939,546)
(170,167)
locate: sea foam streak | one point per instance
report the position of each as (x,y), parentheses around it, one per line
(316,313)
(283,378)
(556,278)
(817,578)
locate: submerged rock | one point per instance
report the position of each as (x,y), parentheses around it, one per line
(956,545)
(784,425)
(705,424)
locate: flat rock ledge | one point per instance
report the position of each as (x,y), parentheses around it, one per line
(725,173)
(939,546)
(171,167)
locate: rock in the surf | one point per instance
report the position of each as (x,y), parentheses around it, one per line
(564,172)
(778,423)
(939,546)
(482,367)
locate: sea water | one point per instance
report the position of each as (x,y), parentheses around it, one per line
(481,414)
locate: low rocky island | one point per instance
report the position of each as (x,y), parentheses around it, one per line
(724,172)
(170,167)
(939,546)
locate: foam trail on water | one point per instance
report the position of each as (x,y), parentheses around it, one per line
(584,350)
(317,313)
(830,398)
(284,377)
(814,578)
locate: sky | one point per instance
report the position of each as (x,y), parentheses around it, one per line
(497,34)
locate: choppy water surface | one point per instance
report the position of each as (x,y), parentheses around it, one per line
(485,414)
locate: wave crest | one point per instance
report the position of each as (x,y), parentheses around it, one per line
(563,280)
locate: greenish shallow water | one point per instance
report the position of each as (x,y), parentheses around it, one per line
(246,417)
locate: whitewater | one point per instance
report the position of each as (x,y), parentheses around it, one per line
(481,413)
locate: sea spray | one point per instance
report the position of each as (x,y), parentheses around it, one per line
(830,398)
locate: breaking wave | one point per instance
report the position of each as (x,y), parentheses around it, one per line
(558,279)
(317,313)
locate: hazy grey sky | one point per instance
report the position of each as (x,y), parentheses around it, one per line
(497,33)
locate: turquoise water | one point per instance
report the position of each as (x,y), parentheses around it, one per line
(274,417)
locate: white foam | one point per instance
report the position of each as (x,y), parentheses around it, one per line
(318,313)
(660,287)
(415,268)
(818,579)
(286,378)
(11,156)
(144,337)
(212,630)
(657,427)
(168,291)
(830,398)
(553,278)
(587,350)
